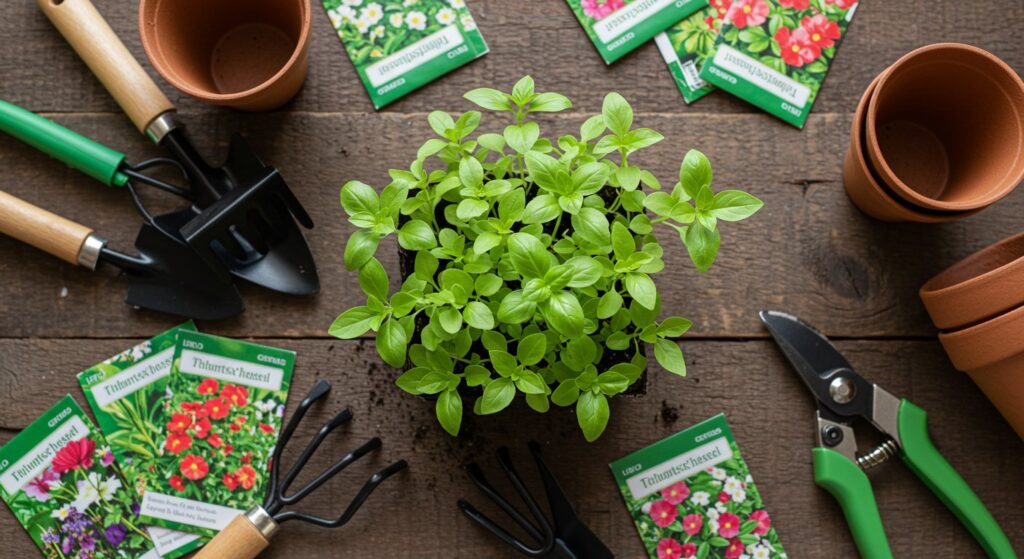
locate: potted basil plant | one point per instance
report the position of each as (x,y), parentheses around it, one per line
(528,261)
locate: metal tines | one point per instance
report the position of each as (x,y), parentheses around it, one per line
(277,499)
(566,537)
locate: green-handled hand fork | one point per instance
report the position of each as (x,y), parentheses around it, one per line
(843,397)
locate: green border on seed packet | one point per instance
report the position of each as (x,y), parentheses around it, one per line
(125,393)
(749,61)
(691,494)
(617,27)
(685,47)
(224,411)
(398,46)
(91,490)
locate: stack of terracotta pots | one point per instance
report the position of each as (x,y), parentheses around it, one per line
(978,303)
(938,136)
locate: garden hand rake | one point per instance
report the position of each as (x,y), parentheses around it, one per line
(249,534)
(565,538)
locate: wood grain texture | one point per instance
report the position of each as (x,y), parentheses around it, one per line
(239,540)
(100,48)
(413,515)
(42,229)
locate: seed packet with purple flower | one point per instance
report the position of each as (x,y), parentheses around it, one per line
(125,393)
(691,495)
(60,479)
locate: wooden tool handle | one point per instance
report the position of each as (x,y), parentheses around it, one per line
(240,540)
(105,54)
(47,231)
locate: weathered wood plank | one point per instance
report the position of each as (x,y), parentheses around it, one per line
(809,250)
(539,38)
(767,406)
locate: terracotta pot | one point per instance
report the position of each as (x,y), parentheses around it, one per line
(945,128)
(246,54)
(981,286)
(992,353)
(864,188)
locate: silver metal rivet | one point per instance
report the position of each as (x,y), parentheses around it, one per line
(842,390)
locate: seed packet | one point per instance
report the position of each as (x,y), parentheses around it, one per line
(222,414)
(61,481)
(400,45)
(617,27)
(125,393)
(686,45)
(691,495)
(775,53)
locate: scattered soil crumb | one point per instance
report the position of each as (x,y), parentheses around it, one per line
(669,414)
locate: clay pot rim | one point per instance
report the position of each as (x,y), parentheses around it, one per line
(1002,327)
(930,290)
(908,212)
(153,52)
(901,189)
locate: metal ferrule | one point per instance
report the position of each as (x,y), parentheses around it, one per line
(161,126)
(262,520)
(89,254)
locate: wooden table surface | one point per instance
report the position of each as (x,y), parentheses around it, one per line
(809,252)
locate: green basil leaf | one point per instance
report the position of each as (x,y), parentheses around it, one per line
(471,173)
(440,122)
(531,349)
(449,411)
(498,394)
(490,99)
(661,203)
(359,197)
(353,323)
(487,284)
(571,203)
(516,309)
(566,394)
(592,414)
(538,402)
(476,375)
(612,383)
(529,256)
(391,342)
(541,209)
(579,352)
(670,357)
(410,380)
(360,248)
(543,170)
(641,288)
(493,341)
(522,137)
(373,279)
(673,327)
(628,177)
(734,205)
(550,103)
(589,178)
(431,147)
(485,242)
(586,271)
(470,208)
(504,363)
(416,234)
(609,304)
(617,340)
(618,115)
(591,227)
(425,266)
(530,382)
(450,319)
(557,277)
(702,244)
(641,138)
(478,315)
(622,241)
(695,172)
(592,128)
(522,91)
(434,382)
(493,142)
(564,313)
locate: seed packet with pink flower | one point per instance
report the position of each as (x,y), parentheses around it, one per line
(221,413)
(687,45)
(691,495)
(61,481)
(617,27)
(775,53)
(125,393)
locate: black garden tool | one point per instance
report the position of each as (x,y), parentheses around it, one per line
(564,538)
(244,213)
(249,534)
(165,276)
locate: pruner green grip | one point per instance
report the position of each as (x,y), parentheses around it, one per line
(89,157)
(851,487)
(924,460)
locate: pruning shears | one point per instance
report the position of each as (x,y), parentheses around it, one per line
(844,396)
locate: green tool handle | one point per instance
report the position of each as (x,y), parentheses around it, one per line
(89,157)
(924,460)
(851,487)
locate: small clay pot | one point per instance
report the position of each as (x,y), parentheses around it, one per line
(246,54)
(981,286)
(945,128)
(864,188)
(992,353)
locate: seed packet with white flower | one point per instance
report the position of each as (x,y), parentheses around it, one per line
(62,483)
(688,44)
(617,27)
(125,393)
(222,412)
(691,495)
(775,54)
(400,45)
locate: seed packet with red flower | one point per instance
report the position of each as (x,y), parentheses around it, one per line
(691,495)
(218,424)
(61,481)
(125,393)
(617,27)
(775,53)
(688,44)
